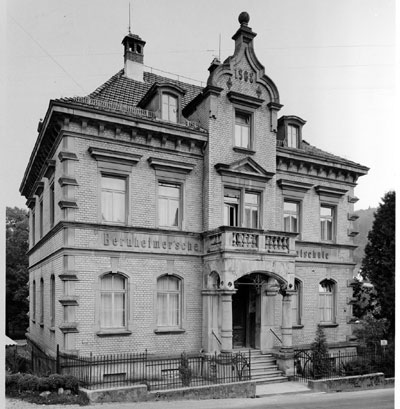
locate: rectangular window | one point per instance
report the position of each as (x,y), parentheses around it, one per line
(291,213)
(33,214)
(327,301)
(69,341)
(69,313)
(41,217)
(231,207)
(169,205)
(251,210)
(327,223)
(34,300)
(113,199)
(52,201)
(243,130)
(296,304)
(293,136)
(41,318)
(52,301)
(169,109)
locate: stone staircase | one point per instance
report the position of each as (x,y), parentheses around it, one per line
(264,368)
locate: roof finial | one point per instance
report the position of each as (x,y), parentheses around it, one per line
(244,18)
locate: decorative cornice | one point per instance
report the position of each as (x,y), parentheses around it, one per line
(68,204)
(108,155)
(352,216)
(243,99)
(352,199)
(292,185)
(68,300)
(31,202)
(65,180)
(170,165)
(330,191)
(274,106)
(236,170)
(68,276)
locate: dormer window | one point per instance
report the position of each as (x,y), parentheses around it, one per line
(293,137)
(169,108)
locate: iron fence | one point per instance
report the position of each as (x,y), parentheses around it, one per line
(158,373)
(309,365)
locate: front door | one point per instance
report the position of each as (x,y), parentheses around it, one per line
(244,314)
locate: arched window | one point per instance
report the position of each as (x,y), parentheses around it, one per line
(52,300)
(327,301)
(296,303)
(41,318)
(113,294)
(169,301)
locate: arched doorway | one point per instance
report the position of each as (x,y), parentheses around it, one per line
(246,311)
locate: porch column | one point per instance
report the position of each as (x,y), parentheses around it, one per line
(286,327)
(226,327)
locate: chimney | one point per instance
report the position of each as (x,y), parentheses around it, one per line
(133,57)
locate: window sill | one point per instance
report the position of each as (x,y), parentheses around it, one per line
(244,150)
(41,324)
(52,329)
(298,326)
(160,331)
(113,332)
(328,324)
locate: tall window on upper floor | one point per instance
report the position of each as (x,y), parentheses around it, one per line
(327,301)
(52,300)
(291,216)
(327,220)
(242,129)
(33,224)
(113,199)
(242,208)
(231,207)
(41,217)
(169,205)
(169,301)
(113,301)
(252,210)
(34,301)
(169,109)
(296,303)
(293,136)
(41,318)
(51,203)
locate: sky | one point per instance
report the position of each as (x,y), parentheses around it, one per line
(332,61)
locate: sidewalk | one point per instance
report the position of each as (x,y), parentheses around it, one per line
(282,388)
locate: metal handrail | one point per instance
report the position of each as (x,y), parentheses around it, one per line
(215,335)
(276,335)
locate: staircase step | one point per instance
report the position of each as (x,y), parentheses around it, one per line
(277,379)
(266,374)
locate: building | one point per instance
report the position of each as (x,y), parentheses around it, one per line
(171,217)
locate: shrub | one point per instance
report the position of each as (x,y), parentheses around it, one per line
(15,362)
(12,383)
(185,372)
(55,381)
(70,382)
(28,382)
(321,365)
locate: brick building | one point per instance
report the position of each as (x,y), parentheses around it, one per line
(171,217)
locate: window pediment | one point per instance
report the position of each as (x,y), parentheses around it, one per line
(243,99)
(160,164)
(108,156)
(294,189)
(244,169)
(330,194)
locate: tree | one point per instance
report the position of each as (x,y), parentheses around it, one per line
(319,354)
(378,265)
(17,306)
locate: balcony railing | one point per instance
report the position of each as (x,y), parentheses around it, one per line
(243,239)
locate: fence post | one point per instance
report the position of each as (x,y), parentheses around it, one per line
(249,364)
(90,369)
(58,359)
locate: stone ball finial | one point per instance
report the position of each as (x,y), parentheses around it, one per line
(244,18)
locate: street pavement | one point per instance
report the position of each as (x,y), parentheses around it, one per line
(275,396)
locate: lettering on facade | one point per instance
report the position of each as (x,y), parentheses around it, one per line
(244,75)
(148,242)
(313,254)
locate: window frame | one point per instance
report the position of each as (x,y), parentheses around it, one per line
(112,291)
(241,208)
(33,224)
(120,176)
(170,95)
(244,112)
(52,300)
(34,300)
(290,141)
(52,203)
(41,302)
(41,221)
(323,306)
(180,185)
(169,327)
(333,217)
(291,213)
